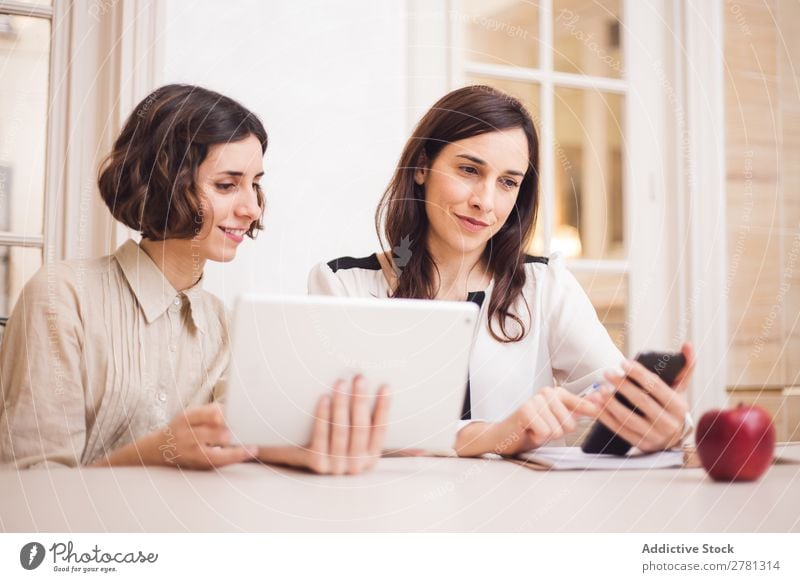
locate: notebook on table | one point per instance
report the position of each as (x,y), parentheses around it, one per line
(572,458)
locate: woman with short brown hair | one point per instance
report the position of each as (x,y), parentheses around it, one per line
(120,360)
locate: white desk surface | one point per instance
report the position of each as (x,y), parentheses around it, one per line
(400,494)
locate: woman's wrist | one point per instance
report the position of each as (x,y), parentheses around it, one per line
(477,438)
(155,449)
(143,452)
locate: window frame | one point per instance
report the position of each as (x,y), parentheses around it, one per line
(676,279)
(12,239)
(87,106)
(548,79)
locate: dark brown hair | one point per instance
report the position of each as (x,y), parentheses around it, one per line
(148,181)
(462,114)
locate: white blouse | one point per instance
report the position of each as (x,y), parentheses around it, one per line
(566,344)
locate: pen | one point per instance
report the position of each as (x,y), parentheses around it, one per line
(593,388)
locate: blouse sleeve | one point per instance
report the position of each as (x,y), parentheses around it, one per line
(580,347)
(323,281)
(42,375)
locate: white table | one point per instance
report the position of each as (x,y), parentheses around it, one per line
(400,494)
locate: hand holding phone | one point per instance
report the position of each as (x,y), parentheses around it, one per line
(602,440)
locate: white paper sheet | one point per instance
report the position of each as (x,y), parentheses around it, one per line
(564,458)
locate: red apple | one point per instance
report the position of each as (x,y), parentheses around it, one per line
(736,444)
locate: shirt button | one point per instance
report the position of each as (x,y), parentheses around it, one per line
(162,396)
(173,348)
(177,301)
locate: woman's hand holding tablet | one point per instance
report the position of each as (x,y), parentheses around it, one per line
(347,435)
(197,438)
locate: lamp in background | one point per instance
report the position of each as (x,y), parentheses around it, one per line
(566,240)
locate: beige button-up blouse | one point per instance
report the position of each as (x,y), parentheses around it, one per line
(98,353)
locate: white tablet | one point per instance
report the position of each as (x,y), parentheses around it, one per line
(288,351)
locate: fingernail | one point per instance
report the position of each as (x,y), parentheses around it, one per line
(627,365)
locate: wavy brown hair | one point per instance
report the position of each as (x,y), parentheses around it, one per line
(148,181)
(462,114)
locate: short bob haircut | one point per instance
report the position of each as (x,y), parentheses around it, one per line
(148,181)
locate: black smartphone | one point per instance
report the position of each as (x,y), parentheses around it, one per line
(601,439)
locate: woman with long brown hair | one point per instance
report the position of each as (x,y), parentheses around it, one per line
(456,219)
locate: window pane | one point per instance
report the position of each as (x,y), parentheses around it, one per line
(587,37)
(24,69)
(502,32)
(609,295)
(17,265)
(588,174)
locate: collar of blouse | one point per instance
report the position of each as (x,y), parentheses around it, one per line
(152,290)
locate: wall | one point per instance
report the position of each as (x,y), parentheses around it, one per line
(763,191)
(329,82)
